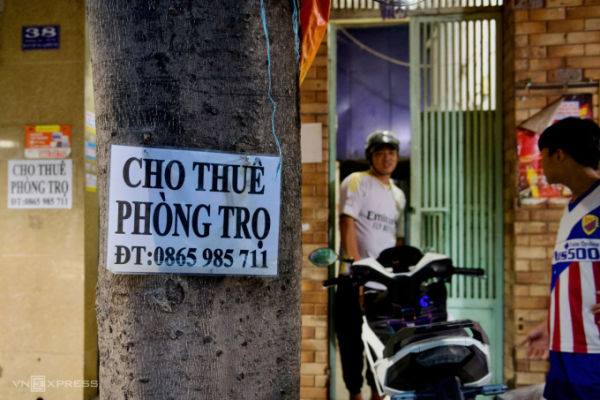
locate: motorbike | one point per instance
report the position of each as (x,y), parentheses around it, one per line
(413,348)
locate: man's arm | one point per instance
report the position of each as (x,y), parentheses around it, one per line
(596,307)
(538,342)
(348,237)
(400,200)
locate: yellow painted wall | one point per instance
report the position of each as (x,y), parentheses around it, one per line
(42,274)
(91,244)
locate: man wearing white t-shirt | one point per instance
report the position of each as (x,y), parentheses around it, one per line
(371,220)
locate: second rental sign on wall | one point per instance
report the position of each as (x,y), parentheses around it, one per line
(196,212)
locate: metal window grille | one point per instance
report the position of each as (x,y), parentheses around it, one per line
(456,157)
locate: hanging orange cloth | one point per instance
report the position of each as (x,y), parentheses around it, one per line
(314,16)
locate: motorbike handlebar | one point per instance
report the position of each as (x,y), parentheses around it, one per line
(330,282)
(478,272)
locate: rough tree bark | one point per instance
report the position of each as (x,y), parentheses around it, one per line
(193,74)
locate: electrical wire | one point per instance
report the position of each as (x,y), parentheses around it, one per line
(373,52)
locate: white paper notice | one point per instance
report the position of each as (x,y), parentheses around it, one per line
(40,184)
(195,212)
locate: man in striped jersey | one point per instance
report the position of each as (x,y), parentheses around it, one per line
(570,156)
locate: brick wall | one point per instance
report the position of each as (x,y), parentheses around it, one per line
(314,379)
(563,35)
(510,184)
(561,39)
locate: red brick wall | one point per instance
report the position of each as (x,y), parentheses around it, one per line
(314,379)
(510,185)
(565,34)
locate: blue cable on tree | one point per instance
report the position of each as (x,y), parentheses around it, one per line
(264,21)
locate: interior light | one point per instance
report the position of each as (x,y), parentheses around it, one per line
(8,144)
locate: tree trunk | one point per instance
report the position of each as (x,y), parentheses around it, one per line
(193,74)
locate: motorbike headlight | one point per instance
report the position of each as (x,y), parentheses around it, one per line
(444,355)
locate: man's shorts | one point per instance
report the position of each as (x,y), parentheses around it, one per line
(573,376)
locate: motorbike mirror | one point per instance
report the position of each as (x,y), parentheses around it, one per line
(323,257)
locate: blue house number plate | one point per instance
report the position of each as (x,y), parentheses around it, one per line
(41,37)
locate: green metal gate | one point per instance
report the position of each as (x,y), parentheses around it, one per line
(456,158)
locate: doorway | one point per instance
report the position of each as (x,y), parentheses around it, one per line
(373,93)
(453,172)
(372,90)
